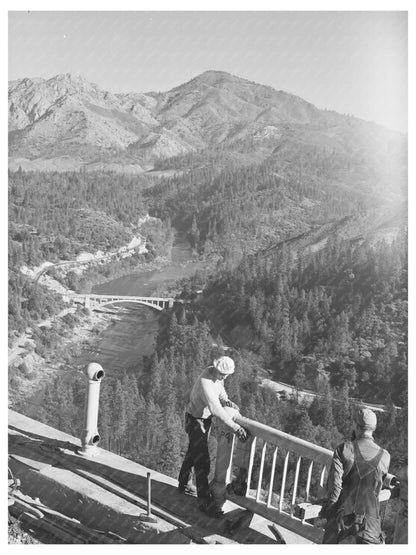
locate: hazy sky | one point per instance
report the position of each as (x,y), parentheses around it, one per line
(352,62)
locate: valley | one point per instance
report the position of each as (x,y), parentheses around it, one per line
(282,229)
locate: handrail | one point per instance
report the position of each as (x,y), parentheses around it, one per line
(276,475)
(272,474)
(291,443)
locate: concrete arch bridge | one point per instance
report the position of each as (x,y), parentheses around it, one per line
(93,301)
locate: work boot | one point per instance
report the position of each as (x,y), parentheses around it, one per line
(210,508)
(188,489)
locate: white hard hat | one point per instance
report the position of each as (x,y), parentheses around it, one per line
(225,365)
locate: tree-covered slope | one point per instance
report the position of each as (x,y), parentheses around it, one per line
(341,309)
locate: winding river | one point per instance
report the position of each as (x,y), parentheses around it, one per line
(132,334)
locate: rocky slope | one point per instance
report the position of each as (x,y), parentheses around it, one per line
(67,123)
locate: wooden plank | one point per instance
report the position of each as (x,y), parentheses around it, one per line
(292,524)
(308,510)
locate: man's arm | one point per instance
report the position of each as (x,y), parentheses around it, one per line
(212,400)
(385,460)
(223,395)
(225,401)
(334,483)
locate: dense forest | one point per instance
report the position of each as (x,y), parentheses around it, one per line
(55,216)
(342,309)
(233,210)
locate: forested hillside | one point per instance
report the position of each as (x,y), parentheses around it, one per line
(342,310)
(229,211)
(55,216)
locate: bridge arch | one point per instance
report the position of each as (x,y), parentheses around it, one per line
(129,301)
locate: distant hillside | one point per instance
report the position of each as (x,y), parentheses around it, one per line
(67,123)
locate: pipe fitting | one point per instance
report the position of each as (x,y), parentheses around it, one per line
(390,481)
(94,373)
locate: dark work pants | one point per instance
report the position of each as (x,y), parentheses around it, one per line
(332,535)
(197,455)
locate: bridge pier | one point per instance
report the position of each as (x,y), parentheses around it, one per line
(87,302)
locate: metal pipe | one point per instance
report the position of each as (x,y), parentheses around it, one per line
(90,439)
(149,495)
(148,517)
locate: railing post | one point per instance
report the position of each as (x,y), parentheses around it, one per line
(222,474)
(243,461)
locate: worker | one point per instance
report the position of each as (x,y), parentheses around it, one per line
(355,478)
(207,398)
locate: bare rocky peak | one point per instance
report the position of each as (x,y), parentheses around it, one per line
(67,115)
(30,99)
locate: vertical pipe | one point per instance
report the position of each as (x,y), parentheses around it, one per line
(147,516)
(263,455)
(90,439)
(269,499)
(149,494)
(282,490)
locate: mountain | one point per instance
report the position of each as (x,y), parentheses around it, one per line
(67,123)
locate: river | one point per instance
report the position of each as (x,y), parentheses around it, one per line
(132,335)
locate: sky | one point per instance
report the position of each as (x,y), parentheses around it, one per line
(352,62)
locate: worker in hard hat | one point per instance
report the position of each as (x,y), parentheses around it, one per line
(355,478)
(207,399)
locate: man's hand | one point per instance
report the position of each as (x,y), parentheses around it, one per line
(326,507)
(241,434)
(232,405)
(320,522)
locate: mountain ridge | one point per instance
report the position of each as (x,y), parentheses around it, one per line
(68,118)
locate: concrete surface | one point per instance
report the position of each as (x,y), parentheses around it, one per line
(108,492)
